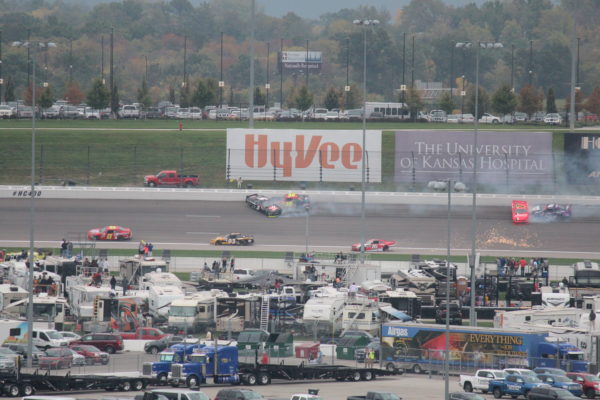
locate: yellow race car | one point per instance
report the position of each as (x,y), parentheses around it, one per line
(233,239)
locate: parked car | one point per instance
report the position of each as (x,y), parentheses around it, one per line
(520,117)
(553,119)
(7,111)
(70,336)
(69,112)
(152,113)
(238,394)
(107,342)
(8,353)
(550,393)
(156,346)
(465,396)
(318,113)
(25,112)
(78,359)
(548,370)
(56,358)
(52,112)
(21,349)
(7,365)
(488,118)
(437,116)
(92,354)
(129,111)
(355,114)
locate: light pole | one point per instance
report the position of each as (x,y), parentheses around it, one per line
(447,352)
(307,210)
(32,45)
(480,45)
(366,23)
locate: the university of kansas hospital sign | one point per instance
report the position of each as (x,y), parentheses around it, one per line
(524,157)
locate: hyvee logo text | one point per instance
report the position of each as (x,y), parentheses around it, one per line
(590,142)
(287,155)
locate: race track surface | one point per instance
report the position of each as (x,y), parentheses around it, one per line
(332,227)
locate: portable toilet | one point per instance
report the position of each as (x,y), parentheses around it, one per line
(280,345)
(346,347)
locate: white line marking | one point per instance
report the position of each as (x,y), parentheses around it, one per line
(202,216)
(202,233)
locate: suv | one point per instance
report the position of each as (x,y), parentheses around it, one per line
(108,342)
(156,346)
(181,394)
(550,393)
(238,394)
(21,349)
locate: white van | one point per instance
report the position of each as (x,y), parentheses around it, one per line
(45,338)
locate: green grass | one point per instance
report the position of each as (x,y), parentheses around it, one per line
(121,152)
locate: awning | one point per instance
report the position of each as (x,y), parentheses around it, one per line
(395,313)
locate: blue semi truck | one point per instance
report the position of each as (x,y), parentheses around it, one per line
(202,368)
(175,354)
(421,347)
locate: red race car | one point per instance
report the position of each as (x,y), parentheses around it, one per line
(520,212)
(375,245)
(111,232)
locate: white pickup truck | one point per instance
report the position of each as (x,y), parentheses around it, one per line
(481,379)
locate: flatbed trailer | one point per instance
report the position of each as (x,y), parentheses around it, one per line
(22,384)
(262,374)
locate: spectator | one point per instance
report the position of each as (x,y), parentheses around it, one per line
(353,289)
(265,358)
(150,248)
(69,249)
(113,283)
(63,248)
(232,264)
(239,182)
(141,247)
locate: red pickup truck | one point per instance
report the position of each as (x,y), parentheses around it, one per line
(171,178)
(143,334)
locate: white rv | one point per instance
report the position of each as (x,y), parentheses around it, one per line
(81,298)
(154,279)
(192,312)
(323,314)
(362,314)
(11,294)
(160,299)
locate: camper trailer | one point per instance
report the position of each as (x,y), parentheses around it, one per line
(234,314)
(193,312)
(163,279)
(403,300)
(11,294)
(362,314)
(323,314)
(160,299)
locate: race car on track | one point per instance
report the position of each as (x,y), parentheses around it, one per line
(296,200)
(263,204)
(110,232)
(375,245)
(551,212)
(520,212)
(233,239)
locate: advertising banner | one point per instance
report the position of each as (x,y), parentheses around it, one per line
(582,158)
(299,59)
(518,157)
(302,155)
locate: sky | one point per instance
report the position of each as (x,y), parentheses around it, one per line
(314,8)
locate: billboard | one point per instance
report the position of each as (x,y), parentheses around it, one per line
(582,158)
(299,59)
(521,157)
(302,155)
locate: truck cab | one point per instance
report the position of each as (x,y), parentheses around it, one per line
(175,354)
(202,366)
(514,385)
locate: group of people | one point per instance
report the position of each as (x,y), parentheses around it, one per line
(520,266)
(145,249)
(218,268)
(45,284)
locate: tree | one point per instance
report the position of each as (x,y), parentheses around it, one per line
(504,100)
(592,104)
(114,99)
(413,102)
(351,99)
(332,99)
(98,96)
(259,97)
(143,96)
(47,97)
(446,103)
(9,92)
(73,94)
(551,102)
(304,99)
(28,95)
(483,101)
(204,94)
(530,100)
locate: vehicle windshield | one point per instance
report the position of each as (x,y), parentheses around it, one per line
(166,357)
(197,396)
(54,335)
(531,379)
(575,356)
(520,211)
(389,396)
(561,378)
(592,378)
(563,393)
(92,349)
(253,395)
(182,311)
(198,358)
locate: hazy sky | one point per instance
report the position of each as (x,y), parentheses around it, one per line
(315,8)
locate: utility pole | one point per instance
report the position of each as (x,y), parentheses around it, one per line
(70,60)
(281,74)
(221,76)
(28,58)
(530,62)
(1,80)
(306,61)
(267,85)
(102,59)
(111,69)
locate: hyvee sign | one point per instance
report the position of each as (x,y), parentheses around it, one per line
(302,155)
(524,157)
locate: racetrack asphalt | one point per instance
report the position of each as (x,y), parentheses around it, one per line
(332,226)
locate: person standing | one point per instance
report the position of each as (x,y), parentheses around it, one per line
(141,247)
(224,264)
(63,248)
(150,248)
(113,283)
(232,264)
